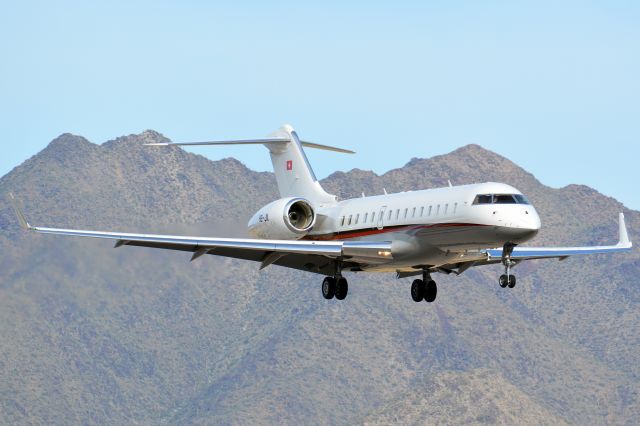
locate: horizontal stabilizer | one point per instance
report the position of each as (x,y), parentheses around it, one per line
(267,141)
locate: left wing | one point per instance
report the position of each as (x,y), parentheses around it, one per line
(494,256)
(526,253)
(313,256)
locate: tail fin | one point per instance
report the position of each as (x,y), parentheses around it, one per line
(294,174)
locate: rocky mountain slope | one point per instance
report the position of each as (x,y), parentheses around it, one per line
(91,334)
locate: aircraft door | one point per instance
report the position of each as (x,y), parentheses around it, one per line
(383,209)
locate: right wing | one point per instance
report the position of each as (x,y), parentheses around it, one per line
(312,256)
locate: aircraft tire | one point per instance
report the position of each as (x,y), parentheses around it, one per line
(328,287)
(512,281)
(417,290)
(342,288)
(431,291)
(504,281)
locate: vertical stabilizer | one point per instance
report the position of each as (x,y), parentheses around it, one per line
(294,174)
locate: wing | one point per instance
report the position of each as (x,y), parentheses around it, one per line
(493,256)
(526,253)
(313,256)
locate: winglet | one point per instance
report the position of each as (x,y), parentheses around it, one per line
(21,218)
(624,236)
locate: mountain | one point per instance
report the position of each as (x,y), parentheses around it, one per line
(95,335)
(473,397)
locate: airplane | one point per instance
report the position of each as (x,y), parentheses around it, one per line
(414,234)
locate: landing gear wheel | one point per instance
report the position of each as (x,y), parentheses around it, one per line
(417,290)
(431,291)
(342,288)
(504,281)
(512,281)
(328,287)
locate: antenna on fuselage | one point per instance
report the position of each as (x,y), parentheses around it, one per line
(385,191)
(450,185)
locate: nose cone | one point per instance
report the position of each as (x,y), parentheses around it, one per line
(532,220)
(527,226)
(516,235)
(521,226)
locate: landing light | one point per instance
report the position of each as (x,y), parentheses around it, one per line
(384,253)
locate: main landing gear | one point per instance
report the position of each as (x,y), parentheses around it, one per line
(424,289)
(335,286)
(506,279)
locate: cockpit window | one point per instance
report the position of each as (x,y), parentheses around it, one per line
(504,199)
(483,199)
(500,199)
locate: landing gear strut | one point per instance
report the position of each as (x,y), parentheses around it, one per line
(424,289)
(507,280)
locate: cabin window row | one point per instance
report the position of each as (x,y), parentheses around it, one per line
(398,214)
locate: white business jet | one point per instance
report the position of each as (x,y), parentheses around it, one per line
(415,233)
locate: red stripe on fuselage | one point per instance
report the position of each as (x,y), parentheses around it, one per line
(374,231)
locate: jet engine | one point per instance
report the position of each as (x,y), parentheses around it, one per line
(283,219)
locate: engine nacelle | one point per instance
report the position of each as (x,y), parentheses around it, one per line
(283,219)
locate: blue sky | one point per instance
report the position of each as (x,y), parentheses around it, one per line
(554,86)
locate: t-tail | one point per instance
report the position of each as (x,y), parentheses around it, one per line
(294,174)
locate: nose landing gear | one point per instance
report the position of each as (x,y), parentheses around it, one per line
(507,280)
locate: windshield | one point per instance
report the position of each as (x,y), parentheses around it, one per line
(500,199)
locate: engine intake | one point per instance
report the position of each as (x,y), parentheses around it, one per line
(286,218)
(299,215)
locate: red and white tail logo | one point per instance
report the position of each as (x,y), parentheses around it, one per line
(289,164)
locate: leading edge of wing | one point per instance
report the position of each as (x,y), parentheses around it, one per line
(378,251)
(623,245)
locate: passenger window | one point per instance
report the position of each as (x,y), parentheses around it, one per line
(357,217)
(397,214)
(421,211)
(430,208)
(349,220)
(365,218)
(373,217)
(455,207)
(413,214)
(438,210)
(405,213)
(342,221)
(446,209)
(389,215)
